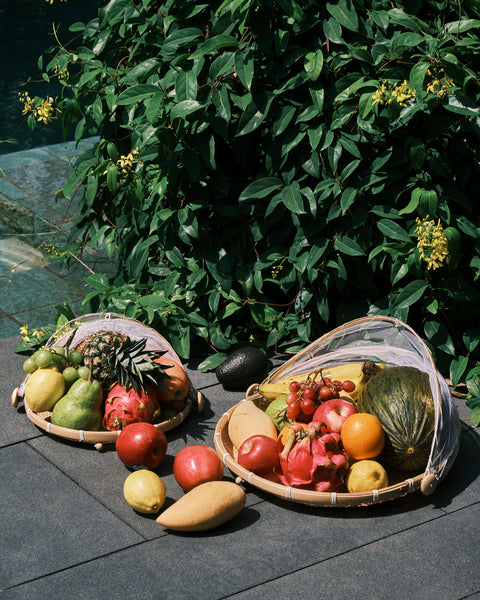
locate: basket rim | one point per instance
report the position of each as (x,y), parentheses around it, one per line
(313,498)
(95,437)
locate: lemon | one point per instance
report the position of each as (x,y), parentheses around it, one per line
(44,388)
(366,475)
(144,491)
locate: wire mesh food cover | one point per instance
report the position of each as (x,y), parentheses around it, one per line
(387,340)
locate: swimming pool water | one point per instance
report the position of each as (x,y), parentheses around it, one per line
(26,31)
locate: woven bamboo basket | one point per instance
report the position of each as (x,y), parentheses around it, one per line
(380,339)
(85,326)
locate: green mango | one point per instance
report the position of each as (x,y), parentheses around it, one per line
(277,411)
(81,407)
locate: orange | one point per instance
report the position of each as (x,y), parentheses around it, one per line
(176,387)
(287,430)
(362,436)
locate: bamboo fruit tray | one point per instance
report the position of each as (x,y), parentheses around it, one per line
(382,339)
(85,326)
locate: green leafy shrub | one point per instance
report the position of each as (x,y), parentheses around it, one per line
(267,170)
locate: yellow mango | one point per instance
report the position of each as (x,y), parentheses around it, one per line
(206,506)
(247,420)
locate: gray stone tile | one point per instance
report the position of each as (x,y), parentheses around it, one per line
(15,424)
(43,177)
(262,543)
(49,522)
(437,560)
(45,315)
(16,254)
(32,289)
(21,158)
(8,189)
(8,327)
(461,487)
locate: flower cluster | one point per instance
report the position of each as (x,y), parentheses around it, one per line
(389,93)
(61,73)
(43,112)
(27,335)
(440,84)
(125,162)
(432,243)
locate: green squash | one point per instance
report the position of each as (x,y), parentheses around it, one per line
(401,398)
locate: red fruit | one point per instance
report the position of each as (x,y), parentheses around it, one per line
(312,462)
(141,446)
(294,386)
(308,406)
(309,393)
(123,407)
(197,464)
(176,386)
(293,409)
(332,414)
(325,393)
(259,455)
(348,386)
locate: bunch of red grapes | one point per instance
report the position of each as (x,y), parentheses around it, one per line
(305,396)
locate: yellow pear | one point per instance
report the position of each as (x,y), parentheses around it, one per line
(44,388)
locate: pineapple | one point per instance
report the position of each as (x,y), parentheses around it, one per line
(114,357)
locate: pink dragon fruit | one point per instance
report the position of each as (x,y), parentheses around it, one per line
(123,407)
(313,462)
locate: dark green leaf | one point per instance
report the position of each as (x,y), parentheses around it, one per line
(344,13)
(261,188)
(313,64)
(410,294)
(393,230)
(346,245)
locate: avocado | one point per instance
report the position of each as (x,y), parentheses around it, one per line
(242,367)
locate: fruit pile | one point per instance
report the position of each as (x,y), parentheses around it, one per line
(104,383)
(208,501)
(337,429)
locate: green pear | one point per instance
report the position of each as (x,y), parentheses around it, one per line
(81,407)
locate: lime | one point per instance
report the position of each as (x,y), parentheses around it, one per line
(43,358)
(144,491)
(29,366)
(58,361)
(83,372)
(60,350)
(70,374)
(74,357)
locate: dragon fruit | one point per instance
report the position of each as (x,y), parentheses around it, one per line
(124,406)
(314,462)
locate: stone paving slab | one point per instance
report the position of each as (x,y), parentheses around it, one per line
(49,522)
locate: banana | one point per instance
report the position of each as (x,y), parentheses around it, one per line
(359,373)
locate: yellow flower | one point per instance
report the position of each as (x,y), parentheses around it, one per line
(28,103)
(125,162)
(398,92)
(24,332)
(45,110)
(432,243)
(61,73)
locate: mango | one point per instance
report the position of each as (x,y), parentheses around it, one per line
(247,420)
(206,506)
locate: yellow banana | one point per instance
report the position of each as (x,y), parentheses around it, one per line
(359,373)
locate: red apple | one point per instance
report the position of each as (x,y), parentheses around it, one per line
(332,414)
(197,464)
(141,446)
(259,455)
